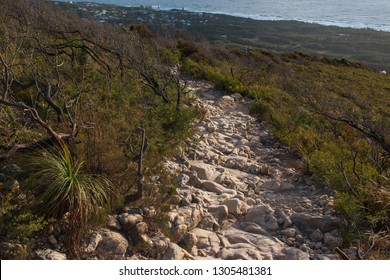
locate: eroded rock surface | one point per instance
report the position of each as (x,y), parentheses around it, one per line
(256,202)
(242,196)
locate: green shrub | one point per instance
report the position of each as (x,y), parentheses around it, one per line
(63,191)
(17,221)
(259,109)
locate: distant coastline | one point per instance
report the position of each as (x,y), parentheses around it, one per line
(367,46)
(273,18)
(336,21)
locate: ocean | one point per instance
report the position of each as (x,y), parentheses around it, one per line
(374,14)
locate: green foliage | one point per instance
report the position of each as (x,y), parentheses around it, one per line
(17,222)
(61,188)
(259,109)
(187,48)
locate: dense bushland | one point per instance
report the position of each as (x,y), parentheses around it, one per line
(74,97)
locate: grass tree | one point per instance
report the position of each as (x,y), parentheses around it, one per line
(66,193)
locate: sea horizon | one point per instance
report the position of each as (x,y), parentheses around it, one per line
(356,14)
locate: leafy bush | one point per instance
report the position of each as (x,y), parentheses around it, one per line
(17,221)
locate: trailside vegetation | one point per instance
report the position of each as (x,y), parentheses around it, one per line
(334,113)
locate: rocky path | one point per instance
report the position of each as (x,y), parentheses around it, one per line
(242,196)
(252,198)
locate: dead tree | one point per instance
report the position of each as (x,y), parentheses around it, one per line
(137,156)
(19,61)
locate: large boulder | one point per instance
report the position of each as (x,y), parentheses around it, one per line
(189,241)
(207,241)
(220,212)
(160,244)
(290,253)
(234,206)
(214,187)
(174,252)
(129,220)
(225,102)
(236,162)
(263,216)
(112,246)
(189,215)
(203,170)
(267,246)
(240,252)
(308,223)
(178,232)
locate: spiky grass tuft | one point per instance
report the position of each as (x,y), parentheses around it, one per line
(64,192)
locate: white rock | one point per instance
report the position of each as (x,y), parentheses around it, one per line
(262,215)
(220,212)
(225,102)
(244,253)
(189,216)
(49,254)
(236,162)
(266,246)
(203,170)
(207,240)
(91,241)
(159,246)
(233,205)
(217,188)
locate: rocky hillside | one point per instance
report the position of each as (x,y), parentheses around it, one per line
(242,196)
(108,151)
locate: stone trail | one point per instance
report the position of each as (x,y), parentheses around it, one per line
(242,196)
(253,194)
